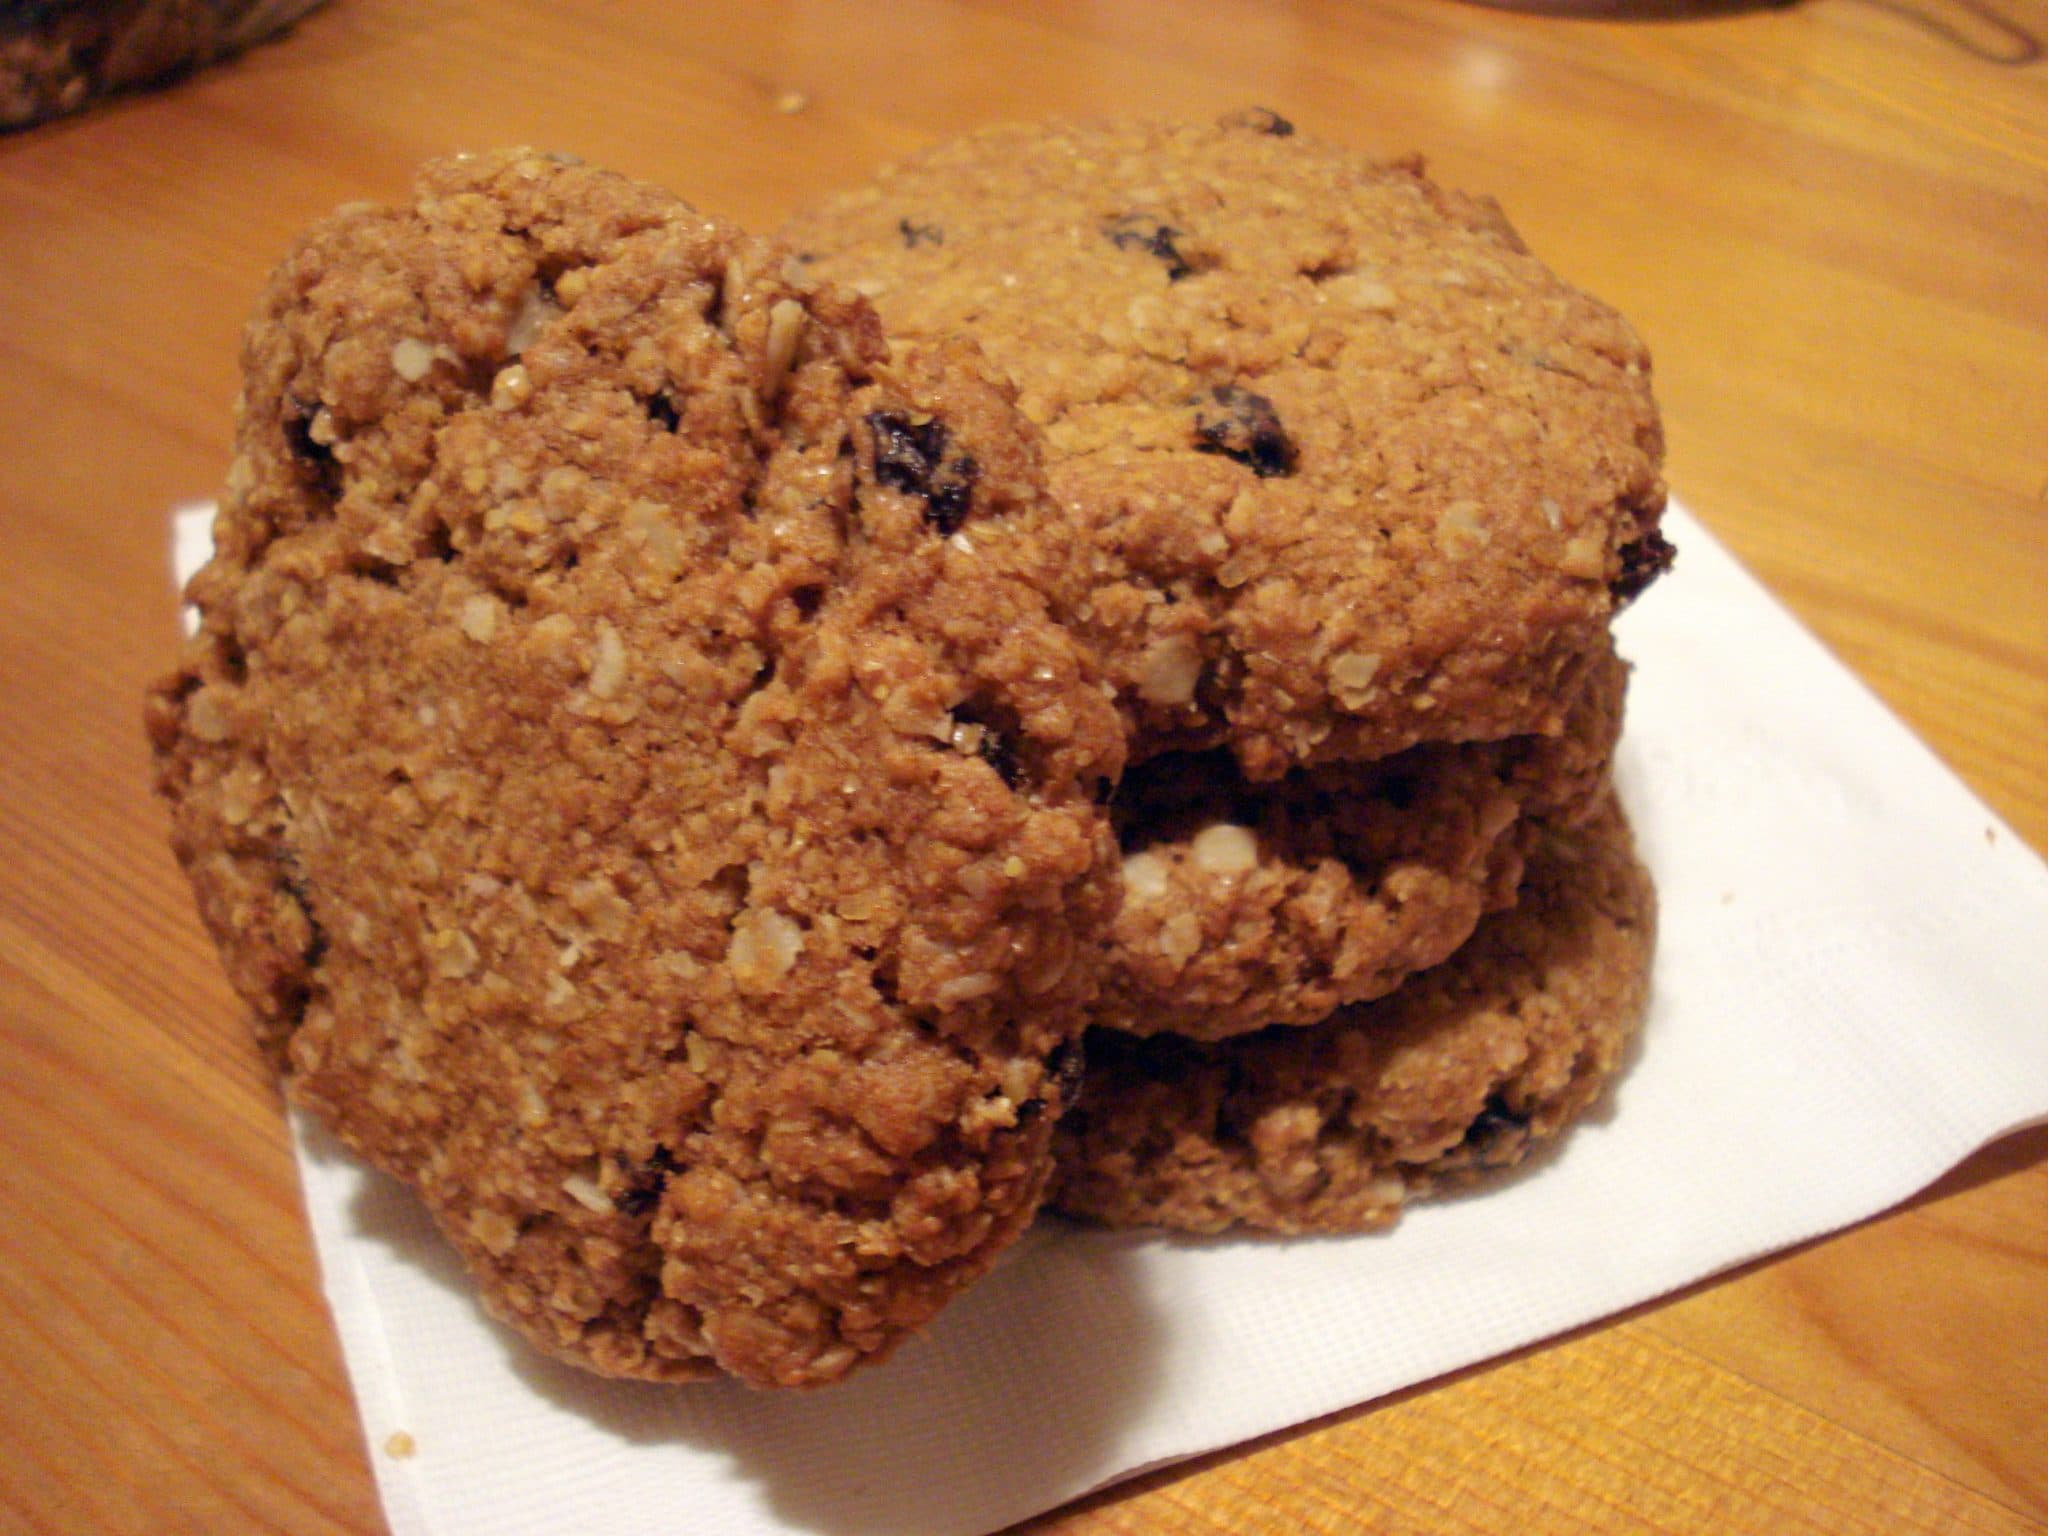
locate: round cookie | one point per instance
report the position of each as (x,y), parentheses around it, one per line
(1352,469)
(628,773)
(1332,1128)
(1248,905)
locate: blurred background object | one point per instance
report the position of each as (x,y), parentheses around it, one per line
(58,55)
(1980,28)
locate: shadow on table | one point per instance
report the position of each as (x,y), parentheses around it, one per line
(1010,1402)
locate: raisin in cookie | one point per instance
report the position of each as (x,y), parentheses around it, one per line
(1331,1128)
(1352,469)
(1248,905)
(639,813)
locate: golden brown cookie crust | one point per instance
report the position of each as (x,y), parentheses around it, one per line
(1249,905)
(1333,1127)
(1353,469)
(639,814)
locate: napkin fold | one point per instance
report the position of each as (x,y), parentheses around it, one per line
(1850,997)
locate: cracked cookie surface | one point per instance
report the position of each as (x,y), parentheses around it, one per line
(1248,905)
(1352,469)
(1333,1127)
(631,773)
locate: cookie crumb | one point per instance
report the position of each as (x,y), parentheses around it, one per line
(765,944)
(1462,528)
(1144,877)
(480,619)
(608,670)
(583,1188)
(1180,936)
(785,332)
(1224,849)
(411,358)
(1351,676)
(512,388)
(1585,556)
(535,311)
(400,1446)
(1172,669)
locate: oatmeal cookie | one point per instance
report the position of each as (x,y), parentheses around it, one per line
(1352,469)
(1248,905)
(1332,1128)
(630,776)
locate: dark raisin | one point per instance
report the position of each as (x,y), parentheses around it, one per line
(1243,426)
(644,1189)
(951,499)
(1642,562)
(1260,120)
(1064,1066)
(911,457)
(662,409)
(915,235)
(291,880)
(993,745)
(315,457)
(1062,1082)
(1496,1129)
(291,999)
(1132,233)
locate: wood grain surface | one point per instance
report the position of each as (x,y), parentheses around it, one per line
(1830,219)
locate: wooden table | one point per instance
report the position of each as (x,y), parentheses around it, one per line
(1831,222)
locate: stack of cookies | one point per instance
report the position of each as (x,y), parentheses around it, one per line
(1360,485)
(685,761)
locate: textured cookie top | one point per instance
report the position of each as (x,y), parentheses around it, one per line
(1251,905)
(1331,1128)
(628,767)
(1354,469)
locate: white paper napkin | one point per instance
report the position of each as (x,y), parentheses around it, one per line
(1851,996)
